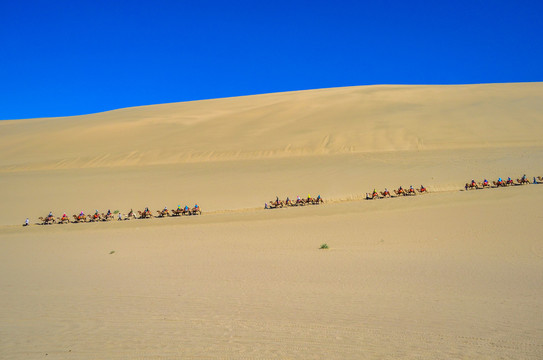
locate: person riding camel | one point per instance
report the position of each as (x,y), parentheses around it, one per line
(485,182)
(374,194)
(411,190)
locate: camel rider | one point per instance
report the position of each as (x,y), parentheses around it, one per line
(524,177)
(298,198)
(196,206)
(485,181)
(386,191)
(81,214)
(374,193)
(266,206)
(500,180)
(64,216)
(120,217)
(186,208)
(165,208)
(319,197)
(108,212)
(50,214)
(411,189)
(27,222)
(178,207)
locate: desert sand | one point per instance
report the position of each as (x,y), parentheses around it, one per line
(447,275)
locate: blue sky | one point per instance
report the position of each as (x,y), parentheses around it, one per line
(61,58)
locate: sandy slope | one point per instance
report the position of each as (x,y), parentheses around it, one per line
(453,275)
(447,275)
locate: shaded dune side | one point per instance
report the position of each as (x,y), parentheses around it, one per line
(361,119)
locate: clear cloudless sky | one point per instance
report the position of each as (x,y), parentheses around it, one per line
(72,57)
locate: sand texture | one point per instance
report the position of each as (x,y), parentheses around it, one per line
(446,275)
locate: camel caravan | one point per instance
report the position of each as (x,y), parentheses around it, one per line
(277,203)
(411,191)
(474,185)
(273,204)
(109,216)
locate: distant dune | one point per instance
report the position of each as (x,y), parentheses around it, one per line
(364,119)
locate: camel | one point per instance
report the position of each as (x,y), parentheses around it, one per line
(410,191)
(484,184)
(523,181)
(300,202)
(316,201)
(196,211)
(472,185)
(422,189)
(499,183)
(80,218)
(177,212)
(277,203)
(146,214)
(95,217)
(48,220)
(373,196)
(400,191)
(130,215)
(289,202)
(385,193)
(540,178)
(107,217)
(163,213)
(63,220)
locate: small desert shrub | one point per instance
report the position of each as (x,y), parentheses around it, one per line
(324,246)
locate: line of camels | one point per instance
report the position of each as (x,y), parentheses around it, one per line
(474,185)
(411,191)
(273,204)
(277,203)
(96,216)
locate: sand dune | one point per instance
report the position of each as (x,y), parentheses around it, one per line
(239,152)
(451,274)
(364,119)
